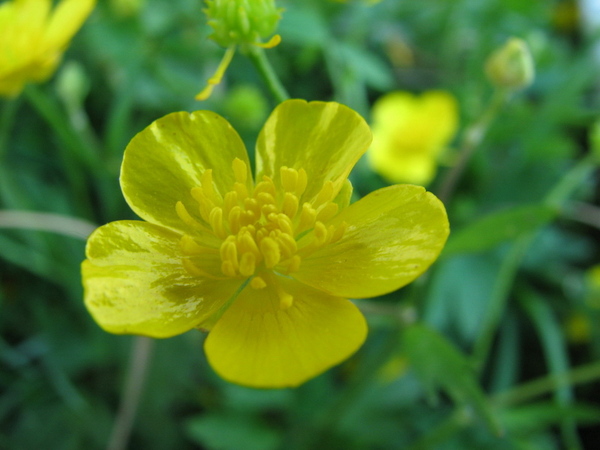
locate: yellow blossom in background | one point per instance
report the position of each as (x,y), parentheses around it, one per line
(266,262)
(33,37)
(409,134)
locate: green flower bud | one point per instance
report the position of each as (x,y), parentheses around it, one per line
(241,21)
(511,66)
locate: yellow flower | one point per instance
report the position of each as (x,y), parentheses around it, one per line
(266,263)
(34,39)
(409,134)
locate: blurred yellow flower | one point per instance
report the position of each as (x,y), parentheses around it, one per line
(409,134)
(34,37)
(265,263)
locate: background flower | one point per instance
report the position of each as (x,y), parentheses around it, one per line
(34,37)
(409,134)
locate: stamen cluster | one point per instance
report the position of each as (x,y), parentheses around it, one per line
(259,230)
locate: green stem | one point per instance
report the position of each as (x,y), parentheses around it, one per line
(472,138)
(510,265)
(139,362)
(54,223)
(500,294)
(259,59)
(7,119)
(82,149)
(547,384)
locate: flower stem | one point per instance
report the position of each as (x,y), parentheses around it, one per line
(6,121)
(510,265)
(472,137)
(268,74)
(54,223)
(547,384)
(82,148)
(139,362)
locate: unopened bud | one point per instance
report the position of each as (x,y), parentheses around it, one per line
(511,66)
(237,22)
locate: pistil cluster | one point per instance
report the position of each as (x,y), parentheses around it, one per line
(261,231)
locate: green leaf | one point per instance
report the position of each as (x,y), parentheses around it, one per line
(227,431)
(439,365)
(498,227)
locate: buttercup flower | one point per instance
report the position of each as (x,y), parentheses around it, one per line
(34,38)
(409,134)
(266,263)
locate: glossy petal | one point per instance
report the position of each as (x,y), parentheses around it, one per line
(393,235)
(135,283)
(167,159)
(325,139)
(257,343)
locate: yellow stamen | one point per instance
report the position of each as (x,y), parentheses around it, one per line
(327,211)
(285,300)
(324,195)
(185,216)
(240,170)
(290,205)
(247,264)
(308,216)
(216,222)
(258,283)
(270,251)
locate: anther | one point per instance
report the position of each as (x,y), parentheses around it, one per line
(339,232)
(320,233)
(247,264)
(270,251)
(241,190)
(258,283)
(302,182)
(290,205)
(206,181)
(240,170)
(308,216)
(289,178)
(264,198)
(285,299)
(324,195)
(235,219)
(190,247)
(230,200)
(327,211)
(216,222)
(185,216)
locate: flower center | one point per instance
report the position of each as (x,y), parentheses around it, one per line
(256,231)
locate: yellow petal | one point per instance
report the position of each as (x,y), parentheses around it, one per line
(325,139)
(66,19)
(394,234)
(410,132)
(282,335)
(166,160)
(135,283)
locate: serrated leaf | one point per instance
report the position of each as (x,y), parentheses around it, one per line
(439,365)
(498,227)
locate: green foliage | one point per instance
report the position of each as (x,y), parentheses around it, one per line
(477,353)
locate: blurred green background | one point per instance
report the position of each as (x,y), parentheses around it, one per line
(496,347)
